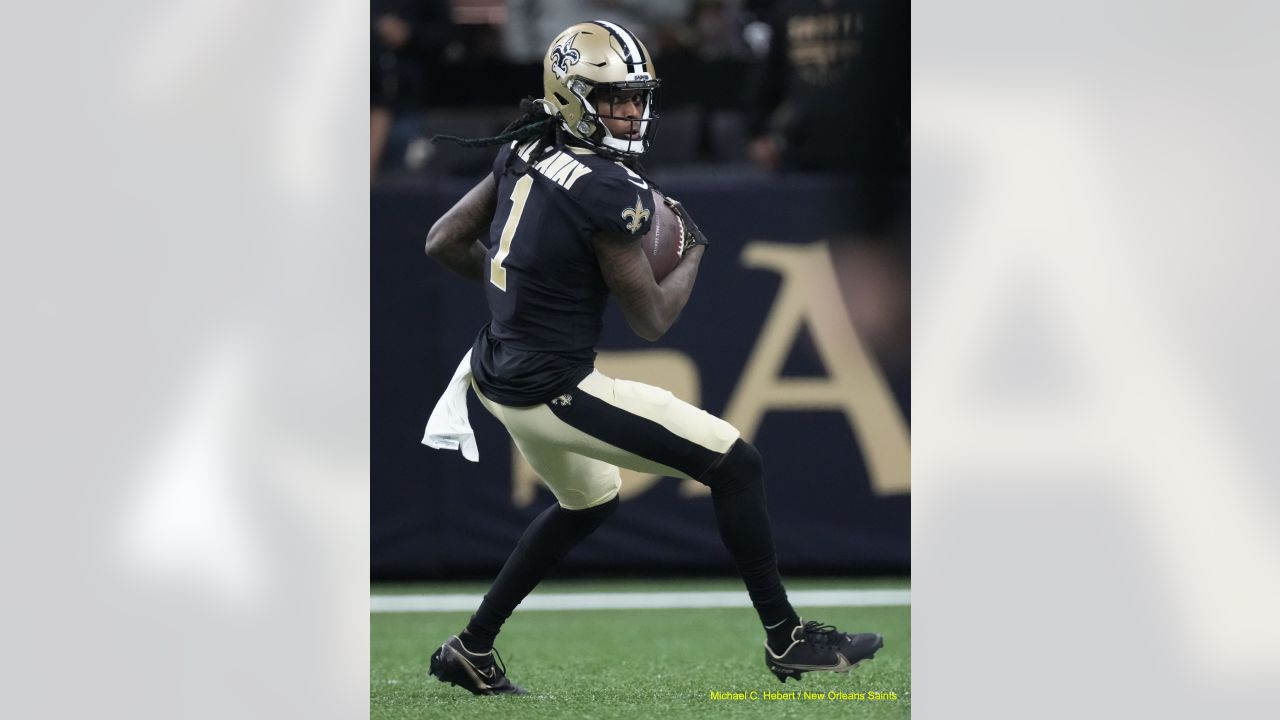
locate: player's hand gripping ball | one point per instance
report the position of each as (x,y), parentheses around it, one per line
(670,234)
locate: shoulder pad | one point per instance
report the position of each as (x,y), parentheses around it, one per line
(619,204)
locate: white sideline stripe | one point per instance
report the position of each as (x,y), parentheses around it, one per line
(641,600)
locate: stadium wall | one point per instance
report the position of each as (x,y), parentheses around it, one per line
(765,342)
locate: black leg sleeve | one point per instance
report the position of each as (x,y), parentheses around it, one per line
(545,542)
(737,493)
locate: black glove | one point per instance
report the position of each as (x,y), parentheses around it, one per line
(692,234)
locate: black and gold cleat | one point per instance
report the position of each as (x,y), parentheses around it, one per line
(817,647)
(479,673)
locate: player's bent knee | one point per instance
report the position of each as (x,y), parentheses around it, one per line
(738,469)
(591,518)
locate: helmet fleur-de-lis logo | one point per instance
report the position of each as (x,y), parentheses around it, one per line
(636,215)
(564,55)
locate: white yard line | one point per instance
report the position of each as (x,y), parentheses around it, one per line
(641,600)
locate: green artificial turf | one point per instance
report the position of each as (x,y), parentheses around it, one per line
(636,663)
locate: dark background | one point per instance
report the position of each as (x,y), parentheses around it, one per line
(438,515)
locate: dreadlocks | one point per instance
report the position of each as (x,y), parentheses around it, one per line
(533,123)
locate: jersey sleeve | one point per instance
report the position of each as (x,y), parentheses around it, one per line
(500,161)
(618,206)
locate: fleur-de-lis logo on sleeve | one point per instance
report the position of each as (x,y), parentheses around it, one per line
(635,215)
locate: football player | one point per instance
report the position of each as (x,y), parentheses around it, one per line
(564,209)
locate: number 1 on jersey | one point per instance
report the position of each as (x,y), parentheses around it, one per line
(519,194)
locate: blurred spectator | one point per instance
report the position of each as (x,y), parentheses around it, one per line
(831,95)
(718,24)
(409,37)
(713,31)
(533,24)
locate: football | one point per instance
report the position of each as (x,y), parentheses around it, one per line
(664,243)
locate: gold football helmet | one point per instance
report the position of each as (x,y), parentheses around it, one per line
(599,57)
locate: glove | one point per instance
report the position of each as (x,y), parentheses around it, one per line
(692,234)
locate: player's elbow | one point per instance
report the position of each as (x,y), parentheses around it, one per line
(435,241)
(647,326)
(652,327)
(442,238)
(647,330)
(649,315)
(651,334)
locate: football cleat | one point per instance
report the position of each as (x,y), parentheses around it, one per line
(478,672)
(815,646)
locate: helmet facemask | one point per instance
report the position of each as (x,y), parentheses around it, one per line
(599,104)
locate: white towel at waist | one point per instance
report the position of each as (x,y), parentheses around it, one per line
(448,428)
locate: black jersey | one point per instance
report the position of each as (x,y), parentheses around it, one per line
(542,281)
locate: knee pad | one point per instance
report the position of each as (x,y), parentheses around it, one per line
(739,469)
(586,521)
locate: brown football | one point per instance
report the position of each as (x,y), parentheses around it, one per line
(664,242)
